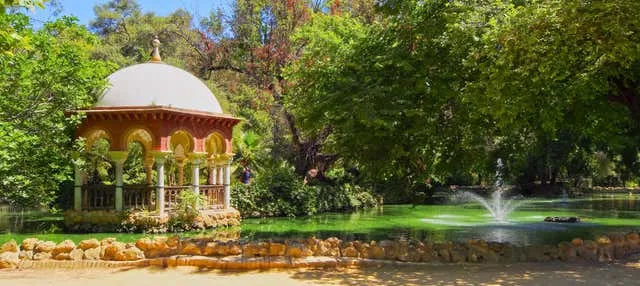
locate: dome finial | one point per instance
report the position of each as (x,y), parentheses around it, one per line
(155,55)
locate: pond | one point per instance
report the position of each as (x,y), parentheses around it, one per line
(437,223)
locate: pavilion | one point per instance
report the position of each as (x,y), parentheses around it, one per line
(169,112)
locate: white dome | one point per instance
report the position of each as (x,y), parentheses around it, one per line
(158,84)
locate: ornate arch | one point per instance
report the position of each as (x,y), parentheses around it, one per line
(140,135)
(93,135)
(215,144)
(181,143)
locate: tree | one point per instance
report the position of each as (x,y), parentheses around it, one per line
(43,74)
(551,68)
(391,93)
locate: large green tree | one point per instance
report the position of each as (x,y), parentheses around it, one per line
(43,73)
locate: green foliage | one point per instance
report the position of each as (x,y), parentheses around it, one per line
(278,190)
(44,74)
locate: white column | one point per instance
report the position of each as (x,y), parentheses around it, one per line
(160,186)
(119,169)
(77,190)
(118,158)
(227,185)
(219,173)
(195,166)
(212,172)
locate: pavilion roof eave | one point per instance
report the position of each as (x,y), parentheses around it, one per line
(155,109)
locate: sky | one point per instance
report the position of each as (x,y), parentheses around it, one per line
(83,9)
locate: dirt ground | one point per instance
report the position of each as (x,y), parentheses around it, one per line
(517,274)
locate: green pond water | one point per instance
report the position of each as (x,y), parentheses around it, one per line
(599,215)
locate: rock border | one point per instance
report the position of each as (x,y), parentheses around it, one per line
(312,252)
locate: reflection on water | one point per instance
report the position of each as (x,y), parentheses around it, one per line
(437,223)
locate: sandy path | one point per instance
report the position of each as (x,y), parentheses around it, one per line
(517,274)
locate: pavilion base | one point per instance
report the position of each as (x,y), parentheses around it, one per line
(148,222)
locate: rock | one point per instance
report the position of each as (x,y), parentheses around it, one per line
(45,247)
(110,251)
(296,249)
(603,240)
(619,248)
(363,249)
(10,246)
(42,256)
(62,256)
(107,241)
(577,242)
(541,253)
(173,242)
(92,254)
(222,249)
(211,249)
(350,251)
(567,251)
(88,243)
(129,254)
(328,247)
(389,249)
(29,243)
(191,248)
(277,249)
(562,219)
(443,251)
(8,259)
(375,251)
(76,254)
(26,255)
(458,253)
(63,247)
(415,252)
(588,250)
(260,249)
(632,242)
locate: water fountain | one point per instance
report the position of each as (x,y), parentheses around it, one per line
(498,206)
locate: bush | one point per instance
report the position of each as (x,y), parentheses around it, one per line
(276,192)
(279,191)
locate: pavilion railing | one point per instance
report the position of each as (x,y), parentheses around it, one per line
(214,195)
(172,194)
(98,197)
(143,197)
(138,197)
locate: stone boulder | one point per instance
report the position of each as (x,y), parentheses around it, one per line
(260,249)
(42,256)
(632,242)
(10,246)
(375,251)
(588,250)
(328,247)
(277,249)
(63,247)
(8,259)
(76,254)
(562,219)
(348,250)
(191,248)
(296,249)
(29,243)
(44,247)
(129,254)
(88,244)
(218,248)
(605,249)
(112,250)
(567,251)
(26,255)
(92,253)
